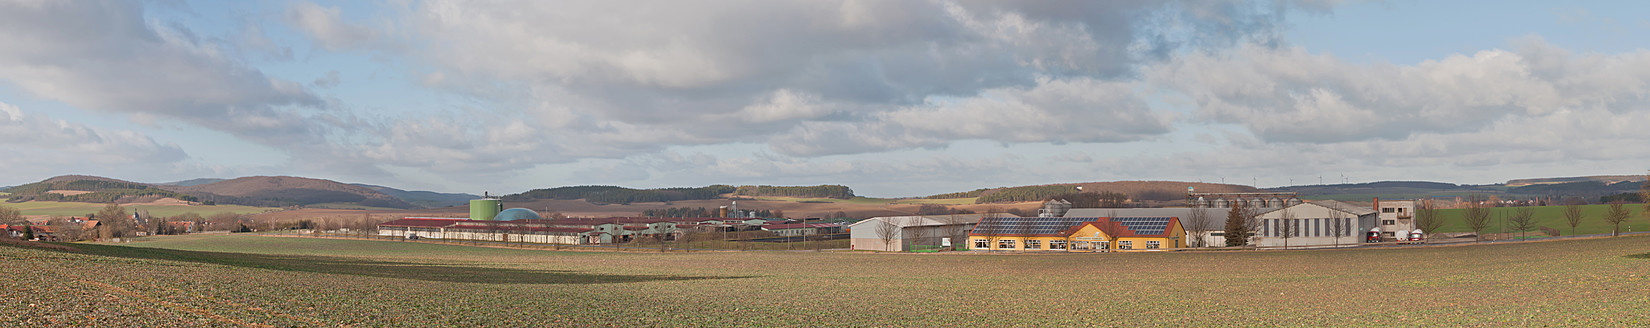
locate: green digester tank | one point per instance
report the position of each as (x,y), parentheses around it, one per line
(485,208)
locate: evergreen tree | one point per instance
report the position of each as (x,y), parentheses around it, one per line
(1237,228)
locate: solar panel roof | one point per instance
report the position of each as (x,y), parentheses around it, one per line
(1055,226)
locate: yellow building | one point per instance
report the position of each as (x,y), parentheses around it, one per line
(1078,234)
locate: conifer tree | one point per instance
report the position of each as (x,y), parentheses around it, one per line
(1237,227)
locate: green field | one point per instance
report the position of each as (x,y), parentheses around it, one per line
(1592,221)
(82,209)
(247,280)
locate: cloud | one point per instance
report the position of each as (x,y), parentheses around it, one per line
(610,80)
(329,81)
(1058,111)
(104,56)
(327,27)
(1290,95)
(38,143)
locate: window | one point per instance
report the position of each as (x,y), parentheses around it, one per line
(1151,244)
(1034,244)
(1388,210)
(1081,245)
(1388,222)
(1126,244)
(981,244)
(1005,244)
(1056,244)
(1400,210)
(1102,245)
(1218,234)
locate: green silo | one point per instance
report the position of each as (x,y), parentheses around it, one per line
(485,208)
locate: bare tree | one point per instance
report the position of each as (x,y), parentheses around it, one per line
(1337,222)
(1427,218)
(1616,215)
(117,221)
(886,231)
(915,231)
(994,231)
(1572,216)
(1523,219)
(13,217)
(65,230)
(1287,226)
(956,229)
(1198,224)
(1476,215)
(666,232)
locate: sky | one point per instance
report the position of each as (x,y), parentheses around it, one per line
(891,98)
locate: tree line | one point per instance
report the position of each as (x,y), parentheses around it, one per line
(622,195)
(960,194)
(1023,194)
(820,191)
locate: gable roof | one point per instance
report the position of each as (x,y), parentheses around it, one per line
(1344,207)
(1134,226)
(1026,226)
(422,222)
(1065,226)
(1333,205)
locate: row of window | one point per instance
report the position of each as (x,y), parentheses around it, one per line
(1307,227)
(1061,244)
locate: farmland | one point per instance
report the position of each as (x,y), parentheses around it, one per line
(285,281)
(81,209)
(1553,217)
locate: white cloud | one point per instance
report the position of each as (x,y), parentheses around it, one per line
(1058,111)
(610,80)
(1290,95)
(105,56)
(327,27)
(37,143)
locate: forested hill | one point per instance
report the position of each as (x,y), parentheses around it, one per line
(622,195)
(1138,190)
(89,189)
(820,191)
(290,191)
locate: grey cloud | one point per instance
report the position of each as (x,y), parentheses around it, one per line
(103,55)
(1289,95)
(825,77)
(1057,111)
(37,141)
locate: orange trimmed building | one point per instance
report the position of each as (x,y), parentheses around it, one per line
(1075,234)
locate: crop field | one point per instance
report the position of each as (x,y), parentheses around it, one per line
(1592,221)
(247,280)
(81,209)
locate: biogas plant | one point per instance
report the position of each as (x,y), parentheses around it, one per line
(489,221)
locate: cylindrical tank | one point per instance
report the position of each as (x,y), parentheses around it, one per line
(485,209)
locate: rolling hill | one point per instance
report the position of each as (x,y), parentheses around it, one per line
(423,198)
(90,189)
(191,182)
(289,191)
(1149,191)
(1604,179)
